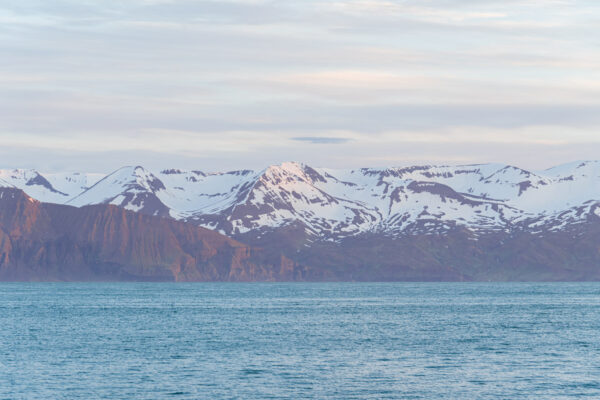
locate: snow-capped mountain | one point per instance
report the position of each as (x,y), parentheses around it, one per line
(51,188)
(132,188)
(331,204)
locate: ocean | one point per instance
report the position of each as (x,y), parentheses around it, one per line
(299,340)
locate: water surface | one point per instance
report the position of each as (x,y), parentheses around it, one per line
(280,340)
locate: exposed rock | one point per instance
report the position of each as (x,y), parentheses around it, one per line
(40,241)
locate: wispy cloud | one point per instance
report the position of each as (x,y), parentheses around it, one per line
(262,81)
(321,140)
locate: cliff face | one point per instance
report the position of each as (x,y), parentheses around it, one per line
(336,205)
(457,255)
(49,242)
(40,241)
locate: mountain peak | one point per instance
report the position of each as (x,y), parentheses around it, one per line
(131,187)
(292,171)
(291,167)
(333,203)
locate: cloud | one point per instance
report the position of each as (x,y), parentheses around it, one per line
(321,140)
(258,81)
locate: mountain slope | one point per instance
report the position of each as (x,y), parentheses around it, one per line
(334,204)
(51,188)
(328,205)
(41,241)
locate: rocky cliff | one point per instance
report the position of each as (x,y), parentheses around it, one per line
(40,241)
(472,222)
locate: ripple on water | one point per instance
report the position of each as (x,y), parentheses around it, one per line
(290,341)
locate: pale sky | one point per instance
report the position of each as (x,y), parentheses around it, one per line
(218,85)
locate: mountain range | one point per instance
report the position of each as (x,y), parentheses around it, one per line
(468,222)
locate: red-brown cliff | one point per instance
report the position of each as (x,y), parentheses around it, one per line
(41,241)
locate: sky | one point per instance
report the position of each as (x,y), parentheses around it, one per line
(91,85)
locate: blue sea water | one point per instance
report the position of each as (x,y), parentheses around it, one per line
(296,341)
